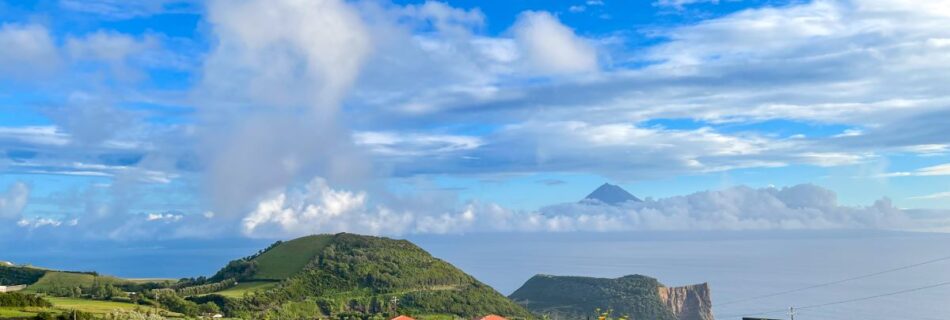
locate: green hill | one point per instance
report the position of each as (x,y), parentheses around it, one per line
(639,297)
(11,275)
(289,258)
(350,275)
(57,280)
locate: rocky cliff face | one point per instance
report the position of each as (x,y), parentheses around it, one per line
(639,297)
(688,302)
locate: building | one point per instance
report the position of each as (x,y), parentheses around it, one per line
(12,288)
(403,318)
(492,317)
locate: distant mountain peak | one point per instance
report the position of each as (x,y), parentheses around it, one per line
(610,194)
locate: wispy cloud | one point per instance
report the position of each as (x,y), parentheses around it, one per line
(938,170)
(939,195)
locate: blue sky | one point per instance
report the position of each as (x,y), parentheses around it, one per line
(173,118)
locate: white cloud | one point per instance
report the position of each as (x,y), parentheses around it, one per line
(680,4)
(415,144)
(114,49)
(127,9)
(551,47)
(271,89)
(34,223)
(934,196)
(14,200)
(28,50)
(40,135)
(937,170)
(285,53)
(445,18)
(320,208)
(163,217)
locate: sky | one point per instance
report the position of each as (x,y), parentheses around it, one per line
(176,119)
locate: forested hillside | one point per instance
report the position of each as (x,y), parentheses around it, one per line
(576,297)
(356,275)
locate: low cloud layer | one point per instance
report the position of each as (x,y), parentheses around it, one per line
(319,208)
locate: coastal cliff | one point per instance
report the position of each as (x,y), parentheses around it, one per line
(688,302)
(639,297)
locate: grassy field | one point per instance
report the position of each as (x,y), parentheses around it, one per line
(244,287)
(84,305)
(289,257)
(99,307)
(9,312)
(56,279)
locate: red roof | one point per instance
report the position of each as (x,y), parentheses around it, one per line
(493,317)
(403,318)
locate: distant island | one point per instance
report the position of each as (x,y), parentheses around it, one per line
(339,276)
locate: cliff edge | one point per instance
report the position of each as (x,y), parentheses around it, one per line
(688,302)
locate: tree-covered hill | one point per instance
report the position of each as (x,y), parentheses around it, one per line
(577,297)
(13,275)
(353,275)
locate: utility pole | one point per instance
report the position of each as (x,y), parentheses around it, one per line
(791,312)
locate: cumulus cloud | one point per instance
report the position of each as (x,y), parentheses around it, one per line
(552,47)
(14,200)
(271,90)
(320,208)
(116,50)
(29,50)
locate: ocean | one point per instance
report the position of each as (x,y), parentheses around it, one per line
(737,265)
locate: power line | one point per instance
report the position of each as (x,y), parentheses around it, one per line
(814,306)
(875,296)
(833,282)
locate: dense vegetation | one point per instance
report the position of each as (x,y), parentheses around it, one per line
(358,276)
(341,276)
(575,297)
(16,299)
(11,276)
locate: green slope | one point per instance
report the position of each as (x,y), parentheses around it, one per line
(352,275)
(578,297)
(58,280)
(19,275)
(289,257)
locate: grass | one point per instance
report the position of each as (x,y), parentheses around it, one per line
(99,307)
(10,312)
(85,305)
(58,279)
(244,287)
(289,257)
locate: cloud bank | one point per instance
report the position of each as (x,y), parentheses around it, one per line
(317,208)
